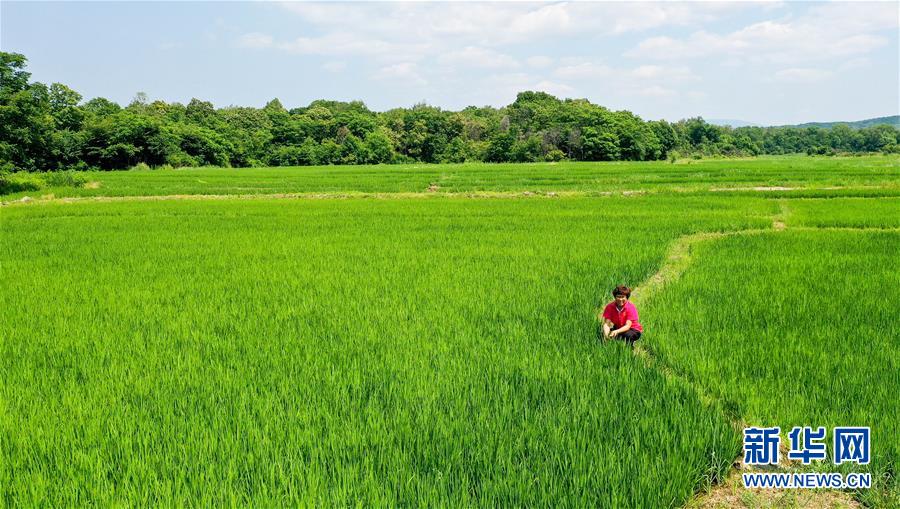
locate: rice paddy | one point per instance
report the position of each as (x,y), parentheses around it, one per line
(793,340)
(798,174)
(438,352)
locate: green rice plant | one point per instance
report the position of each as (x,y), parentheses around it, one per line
(845,213)
(804,176)
(430,353)
(392,350)
(795,328)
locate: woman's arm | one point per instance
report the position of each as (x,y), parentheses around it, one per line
(607,327)
(621,329)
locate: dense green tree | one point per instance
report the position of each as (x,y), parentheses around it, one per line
(666,136)
(534,112)
(126,138)
(599,145)
(353,150)
(204,145)
(100,107)
(698,132)
(875,138)
(26,129)
(498,149)
(527,150)
(47,128)
(380,146)
(201,113)
(64,107)
(637,141)
(459,150)
(13,77)
(287,156)
(329,152)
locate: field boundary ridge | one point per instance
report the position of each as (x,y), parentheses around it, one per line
(436,192)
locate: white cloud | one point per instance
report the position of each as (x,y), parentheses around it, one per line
(492,23)
(336,44)
(656,91)
(547,19)
(661,72)
(643,16)
(825,32)
(651,81)
(486,52)
(576,69)
(582,70)
(801,75)
(405,72)
(478,57)
(855,17)
(339,43)
(502,88)
(553,88)
(510,78)
(539,61)
(855,63)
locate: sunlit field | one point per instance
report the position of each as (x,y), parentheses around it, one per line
(388,350)
(861,175)
(803,332)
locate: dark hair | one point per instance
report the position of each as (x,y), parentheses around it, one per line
(622,290)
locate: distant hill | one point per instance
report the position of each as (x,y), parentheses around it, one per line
(859,124)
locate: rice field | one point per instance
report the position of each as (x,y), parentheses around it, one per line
(401,351)
(864,175)
(844,213)
(793,340)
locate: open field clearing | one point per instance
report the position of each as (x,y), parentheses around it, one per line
(870,175)
(442,351)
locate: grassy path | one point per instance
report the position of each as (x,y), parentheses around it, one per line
(729,492)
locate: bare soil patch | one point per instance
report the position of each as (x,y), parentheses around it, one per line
(755,188)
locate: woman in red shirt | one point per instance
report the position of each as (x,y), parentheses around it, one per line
(620,317)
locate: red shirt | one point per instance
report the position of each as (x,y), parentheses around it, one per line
(619,317)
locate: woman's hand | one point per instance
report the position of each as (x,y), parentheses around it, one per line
(613,333)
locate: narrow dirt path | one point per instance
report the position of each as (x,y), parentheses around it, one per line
(730,492)
(434,190)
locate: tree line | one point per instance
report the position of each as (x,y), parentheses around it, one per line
(51,128)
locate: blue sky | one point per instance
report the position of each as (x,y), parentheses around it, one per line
(769,62)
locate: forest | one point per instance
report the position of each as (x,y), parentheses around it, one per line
(47,128)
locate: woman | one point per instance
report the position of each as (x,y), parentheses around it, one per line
(620,317)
